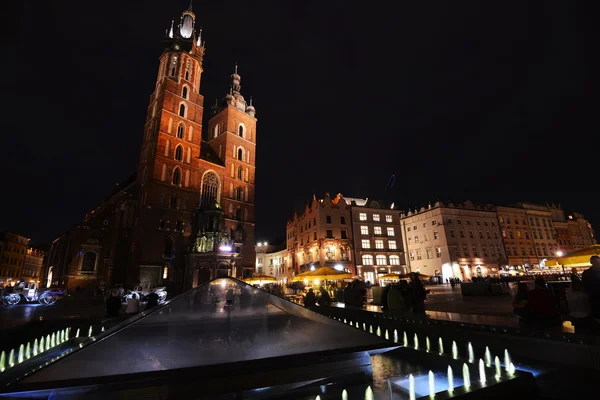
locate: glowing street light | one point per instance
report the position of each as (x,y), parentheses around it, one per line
(559,254)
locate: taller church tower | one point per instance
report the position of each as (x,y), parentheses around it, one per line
(180,175)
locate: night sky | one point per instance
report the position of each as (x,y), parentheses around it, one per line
(457,100)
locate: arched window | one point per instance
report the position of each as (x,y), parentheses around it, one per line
(241,131)
(240,173)
(169,247)
(240,155)
(239,193)
(179,153)
(367,260)
(89,261)
(176,176)
(210,189)
(180,131)
(381,259)
(238,213)
(184,92)
(182,110)
(217,130)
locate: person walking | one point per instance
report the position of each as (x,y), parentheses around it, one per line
(418,294)
(591,284)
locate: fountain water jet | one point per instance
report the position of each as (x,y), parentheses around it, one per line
(488,357)
(364,326)
(387,335)
(28,351)
(35,347)
(47,342)
(506,359)
(466,376)
(21,354)
(68,333)
(498,370)
(511,369)
(2,362)
(345,321)
(416,340)
(103,328)
(411,387)
(405,340)
(42,347)
(450,380)
(77,333)
(441,346)
(369,394)
(53,340)
(370,328)
(395,336)
(454,350)
(482,377)
(470,351)
(344,394)
(90,332)
(356,324)
(427,344)
(63,333)
(431,384)
(378,332)
(11,358)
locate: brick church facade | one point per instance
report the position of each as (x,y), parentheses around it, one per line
(190,206)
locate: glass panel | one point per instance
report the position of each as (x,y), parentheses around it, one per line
(222,321)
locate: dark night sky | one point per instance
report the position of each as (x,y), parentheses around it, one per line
(460,100)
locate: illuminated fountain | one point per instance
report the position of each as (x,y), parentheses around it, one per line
(53,340)
(90,332)
(2,362)
(488,357)
(470,351)
(47,342)
(387,335)
(364,326)
(482,377)
(77,333)
(511,369)
(35,347)
(345,394)
(454,350)
(62,335)
(450,380)
(11,358)
(370,328)
(28,351)
(395,336)
(378,332)
(506,359)
(411,387)
(42,348)
(466,377)
(427,344)
(431,384)
(441,346)
(357,324)
(405,340)
(68,333)
(21,354)
(369,395)
(498,369)
(102,328)
(416,340)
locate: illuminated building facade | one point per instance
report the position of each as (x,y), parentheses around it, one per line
(12,257)
(455,241)
(320,236)
(271,260)
(378,244)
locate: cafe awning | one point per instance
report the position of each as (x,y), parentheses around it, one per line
(260,279)
(576,258)
(323,273)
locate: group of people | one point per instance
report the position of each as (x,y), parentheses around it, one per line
(539,305)
(114,303)
(311,299)
(405,296)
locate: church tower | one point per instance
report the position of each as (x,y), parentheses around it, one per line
(195,214)
(168,175)
(232,135)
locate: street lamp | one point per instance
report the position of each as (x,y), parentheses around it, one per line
(559,254)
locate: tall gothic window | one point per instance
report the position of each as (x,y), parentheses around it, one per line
(210,189)
(240,155)
(184,92)
(241,130)
(89,261)
(182,110)
(180,130)
(238,214)
(239,193)
(179,153)
(177,176)
(240,173)
(169,247)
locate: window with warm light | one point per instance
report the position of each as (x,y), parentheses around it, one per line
(394,260)
(379,244)
(165,272)
(388,218)
(412,256)
(362,216)
(438,252)
(429,253)
(377,230)
(364,230)
(392,244)
(376,217)
(367,260)
(366,244)
(380,259)
(390,231)
(419,255)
